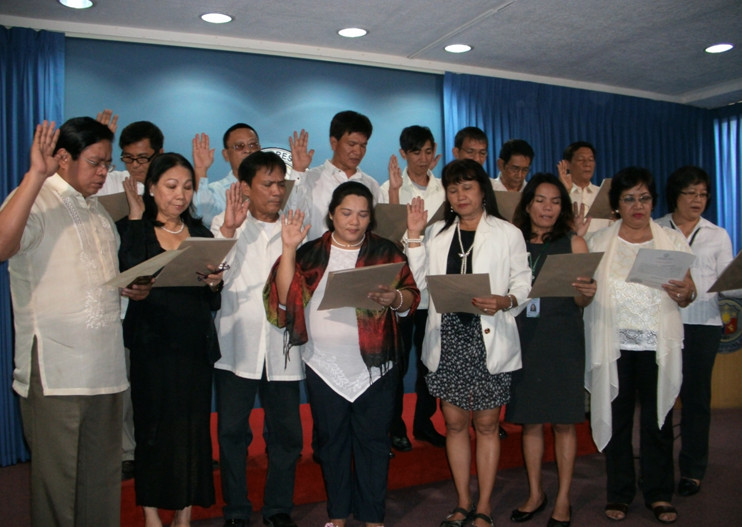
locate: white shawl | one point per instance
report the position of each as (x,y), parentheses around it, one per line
(602,347)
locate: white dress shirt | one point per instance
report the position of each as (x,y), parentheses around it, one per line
(713,249)
(115,183)
(587,196)
(433,195)
(248,342)
(497,184)
(211,198)
(314,193)
(68,251)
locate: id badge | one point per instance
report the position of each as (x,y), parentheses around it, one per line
(533,309)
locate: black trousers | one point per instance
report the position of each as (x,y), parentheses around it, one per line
(699,353)
(412,329)
(637,375)
(235,398)
(353,446)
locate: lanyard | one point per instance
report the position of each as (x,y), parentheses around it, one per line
(533,264)
(692,238)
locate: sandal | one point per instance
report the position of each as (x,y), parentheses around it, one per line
(659,510)
(623,508)
(448,522)
(482,516)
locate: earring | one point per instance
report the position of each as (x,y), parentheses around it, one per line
(151,193)
(451,209)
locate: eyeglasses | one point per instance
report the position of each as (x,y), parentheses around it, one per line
(139,160)
(517,170)
(250,147)
(630,200)
(692,194)
(99,164)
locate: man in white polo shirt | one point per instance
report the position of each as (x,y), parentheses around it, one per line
(349,135)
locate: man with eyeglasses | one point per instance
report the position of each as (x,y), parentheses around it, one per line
(514,163)
(470,143)
(70,371)
(240,140)
(140,142)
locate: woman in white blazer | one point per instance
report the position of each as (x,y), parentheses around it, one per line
(470,356)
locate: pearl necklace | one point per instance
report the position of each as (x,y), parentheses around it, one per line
(464,254)
(182,226)
(347,245)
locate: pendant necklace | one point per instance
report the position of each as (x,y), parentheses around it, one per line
(464,255)
(182,226)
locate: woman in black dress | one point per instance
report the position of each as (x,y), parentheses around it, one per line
(173,346)
(549,388)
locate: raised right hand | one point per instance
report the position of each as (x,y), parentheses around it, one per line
(203,156)
(136,203)
(43,162)
(300,157)
(417,217)
(564,176)
(236,211)
(395,174)
(292,230)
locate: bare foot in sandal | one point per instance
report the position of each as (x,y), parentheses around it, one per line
(616,511)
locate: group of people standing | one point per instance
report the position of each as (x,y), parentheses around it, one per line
(612,337)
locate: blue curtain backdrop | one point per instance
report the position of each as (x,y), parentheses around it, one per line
(727,188)
(625,130)
(32,89)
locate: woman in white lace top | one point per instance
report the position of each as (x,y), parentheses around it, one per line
(634,336)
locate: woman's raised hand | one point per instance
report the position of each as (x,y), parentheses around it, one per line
(417,217)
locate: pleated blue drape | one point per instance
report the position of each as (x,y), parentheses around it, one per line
(625,130)
(728,188)
(31,90)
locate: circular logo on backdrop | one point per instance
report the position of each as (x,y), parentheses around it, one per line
(283,154)
(731,337)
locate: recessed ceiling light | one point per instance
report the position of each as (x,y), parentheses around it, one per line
(216,18)
(458,48)
(719,48)
(76,4)
(352,32)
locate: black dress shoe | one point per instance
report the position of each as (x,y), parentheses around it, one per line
(235,522)
(279,520)
(432,437)
(520,516)
(127,469)
(688,487)
(401,443)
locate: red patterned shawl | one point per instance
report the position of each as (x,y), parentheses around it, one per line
(378,335)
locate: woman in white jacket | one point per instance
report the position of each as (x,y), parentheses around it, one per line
(470,357)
